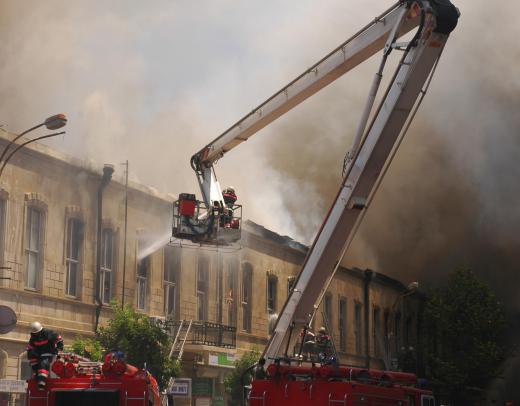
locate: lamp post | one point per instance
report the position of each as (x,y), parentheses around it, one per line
(51,123)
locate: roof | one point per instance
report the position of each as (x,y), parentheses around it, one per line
(284,240)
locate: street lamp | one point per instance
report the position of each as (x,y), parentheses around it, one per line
(51,123)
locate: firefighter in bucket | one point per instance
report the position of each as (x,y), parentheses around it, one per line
(230,198)
(43,345)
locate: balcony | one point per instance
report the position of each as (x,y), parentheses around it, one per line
(205,333)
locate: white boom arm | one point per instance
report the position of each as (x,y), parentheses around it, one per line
(372,149)
(363,175)
(383,30)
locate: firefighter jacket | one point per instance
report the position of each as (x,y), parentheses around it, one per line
(323,342)
(45,343)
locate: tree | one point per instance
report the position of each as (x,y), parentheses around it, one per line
(142,341)
(88,347)
(234,381)
(465,343)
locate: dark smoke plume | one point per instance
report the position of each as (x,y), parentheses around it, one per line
(450,198)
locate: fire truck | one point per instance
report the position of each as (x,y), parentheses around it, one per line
(418,30)
(79,381)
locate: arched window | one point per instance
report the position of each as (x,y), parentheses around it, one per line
(4,196)
(202,287)
(231,291)
(271,294)
(34,234)
(246,293)
(172,268)
(74,237)
(107,262)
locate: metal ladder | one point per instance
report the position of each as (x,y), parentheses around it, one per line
(177,349)
(178,342)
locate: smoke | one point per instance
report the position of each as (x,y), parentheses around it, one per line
(153,82)
(450,197)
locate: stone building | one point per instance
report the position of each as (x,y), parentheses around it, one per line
(48,234)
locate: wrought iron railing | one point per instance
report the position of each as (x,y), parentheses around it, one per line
(207,333)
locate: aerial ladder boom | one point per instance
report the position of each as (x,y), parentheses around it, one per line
(382,31)
(373,147)
(364,170)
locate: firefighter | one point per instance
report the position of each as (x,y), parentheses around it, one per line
(230,198)
(324,344)
(309,344)
(259,369)
(42,347)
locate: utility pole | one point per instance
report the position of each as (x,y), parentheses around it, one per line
(125,234)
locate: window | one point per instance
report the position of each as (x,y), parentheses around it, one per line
(327,311)
(172,266)
(107,264)
(231,292)
(3,205)
(397,332)
(357,327)
(220,288)
(342,324)
(33,246)
(386,326)
(143,267)
(291,281)
(408,332)
(272,284)
(3,364)
(202,287)
(72,255)
(247,287)
(376,330)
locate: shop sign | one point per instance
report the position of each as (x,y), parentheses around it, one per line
(12,386)
(221,359)
(202,387)
(181,388)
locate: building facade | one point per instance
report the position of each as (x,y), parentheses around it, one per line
(221,300)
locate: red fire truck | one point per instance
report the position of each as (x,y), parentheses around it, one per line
(81,382)
(334,385)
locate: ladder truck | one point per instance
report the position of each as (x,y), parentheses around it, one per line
(423,27)
(81,382)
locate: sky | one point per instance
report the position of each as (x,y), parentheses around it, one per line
(153,82)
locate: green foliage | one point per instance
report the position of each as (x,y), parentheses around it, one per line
(466,340)
(87,347)
(235,381)
(142,341)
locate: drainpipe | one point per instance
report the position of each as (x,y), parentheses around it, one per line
(369,275)
(108,170)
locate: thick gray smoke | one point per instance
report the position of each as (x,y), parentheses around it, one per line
(450,198)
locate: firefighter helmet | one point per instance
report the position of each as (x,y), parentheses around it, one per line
(230,189)
(322,330)
(36,327)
